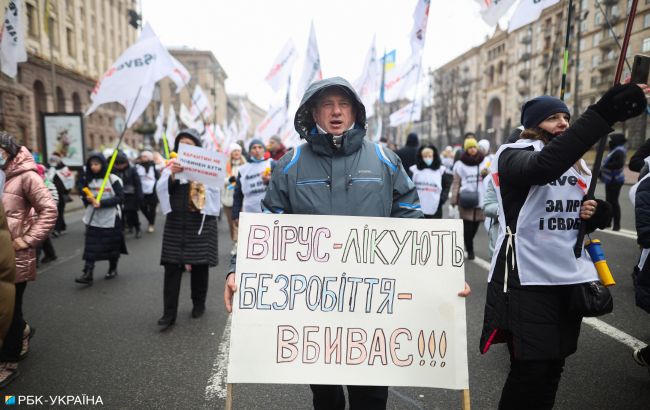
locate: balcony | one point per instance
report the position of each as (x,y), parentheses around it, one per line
(523,88)
(608,3)
(526,57)
(524,73)
(527,39)
(607,43)
(607,65)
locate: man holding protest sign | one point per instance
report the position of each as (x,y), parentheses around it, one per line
(190,234)
(337,172)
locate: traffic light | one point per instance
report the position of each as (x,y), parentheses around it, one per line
(134,18)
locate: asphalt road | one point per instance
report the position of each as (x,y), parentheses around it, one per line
(103,340)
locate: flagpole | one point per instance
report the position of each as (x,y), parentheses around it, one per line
(565,65)
(165,144)
(119,142)
(577,249)
(381,91)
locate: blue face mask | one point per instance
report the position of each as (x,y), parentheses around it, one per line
(428,161)
(3,161)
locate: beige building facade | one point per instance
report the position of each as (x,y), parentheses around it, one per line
(86,37)
(483,89)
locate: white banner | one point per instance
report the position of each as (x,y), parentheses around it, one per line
(528,11)
(200,104)
(190,120)
(349,300)
(245,120)
(409,113)
(275,119)
(202,165)
(12,39)
(368,84)
(172,127)
(493,10)
(160,119)
(312,70)
(419,30)
(402,78)
(280,71)
(130,80)
(179,74)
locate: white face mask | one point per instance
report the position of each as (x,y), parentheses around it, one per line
(428,161)
(2,182)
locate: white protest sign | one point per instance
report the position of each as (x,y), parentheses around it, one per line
(202,165)
(349,300)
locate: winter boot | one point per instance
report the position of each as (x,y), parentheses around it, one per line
(86,277)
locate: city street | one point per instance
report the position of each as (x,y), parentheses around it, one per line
(103,340)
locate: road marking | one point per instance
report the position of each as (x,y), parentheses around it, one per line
(217,382)
(625,233)
(597,324)
(614,333)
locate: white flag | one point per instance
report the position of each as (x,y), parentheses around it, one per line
(232,130)
(493,10)
(200,104)
(409,113)
(132,77)
(190,120)
(179,75)
(368,84)
(280,71)
(402,78)
(288,134)
(528,11)
(172,127)
(419,31)
(378,131)
(210,139)
(245,120)
(221,136)
(159,124)
(275,119)
(311,71)
(12,40)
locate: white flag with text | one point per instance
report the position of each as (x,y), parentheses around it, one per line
(12,39)
(528,11)
(493,10)
(280,71)
(419,31)
(402,78)
(200,104)
(179,74)
(275,119)
(311,71)
(409,113)
(367,86)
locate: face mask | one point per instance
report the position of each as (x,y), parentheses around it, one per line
(3,161)
(428,161)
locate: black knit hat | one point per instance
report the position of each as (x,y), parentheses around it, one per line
(538,109)
(9,144)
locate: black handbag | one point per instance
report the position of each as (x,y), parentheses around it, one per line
(469,199)
(591,299)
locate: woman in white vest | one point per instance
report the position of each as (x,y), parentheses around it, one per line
(431,181)
(236,160)
(104,239)
(252,181)
(467,191)
(541,183)
(148,177)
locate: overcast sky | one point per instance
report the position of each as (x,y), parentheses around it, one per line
(246,35)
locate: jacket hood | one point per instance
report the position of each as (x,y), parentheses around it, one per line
(121,158)
(616,139)
(412,140)
(190,133)
(21,162)
(304,122)
(100,157)
(419,163)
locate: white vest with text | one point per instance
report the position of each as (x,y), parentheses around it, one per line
(428,183)
(252,185)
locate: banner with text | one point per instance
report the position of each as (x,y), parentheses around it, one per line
(349,300)
(201,165)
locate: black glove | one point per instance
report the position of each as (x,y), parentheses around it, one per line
(621,102)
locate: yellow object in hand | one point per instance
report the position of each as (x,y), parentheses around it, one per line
(173,155)
(267,172)
(87,192)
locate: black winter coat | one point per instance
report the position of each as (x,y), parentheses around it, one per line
(408,154)
(642,216)
(132,186)
(535,319)
(182,243)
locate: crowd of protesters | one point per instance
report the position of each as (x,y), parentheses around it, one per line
(503,188)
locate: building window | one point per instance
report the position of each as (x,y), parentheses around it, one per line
(598,18)
(646,21)
(69,35)
(21,102)
(645,47)
(595,60)
(597,38)
(54,29)
(32,21)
